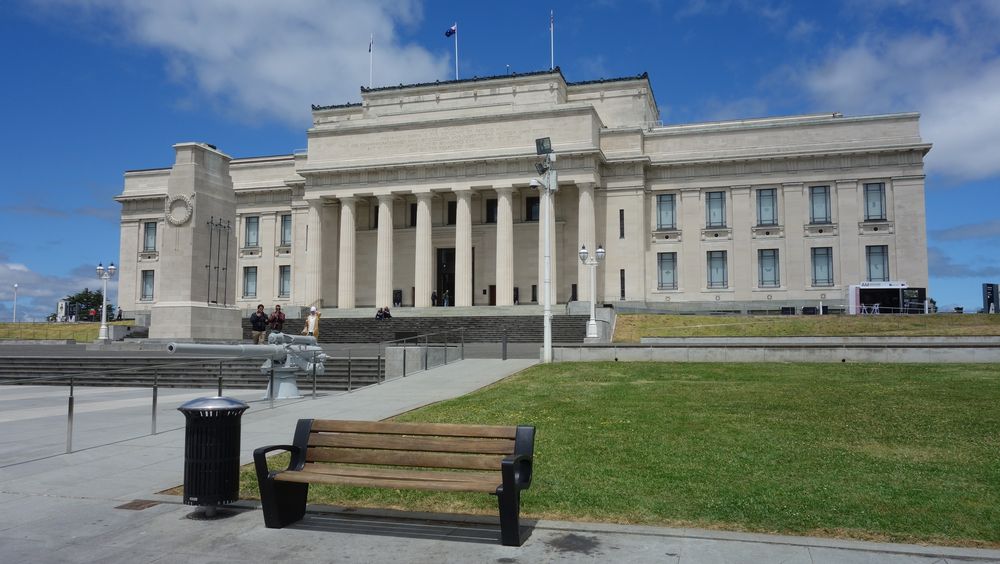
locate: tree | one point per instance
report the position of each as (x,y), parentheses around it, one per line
(932,306)
(86,301)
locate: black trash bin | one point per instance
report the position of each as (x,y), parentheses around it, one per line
(212,451)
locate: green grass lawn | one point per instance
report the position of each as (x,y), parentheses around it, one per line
(630,328)
(81,332)
(892,452)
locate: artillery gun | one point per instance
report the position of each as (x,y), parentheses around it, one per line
(284,356)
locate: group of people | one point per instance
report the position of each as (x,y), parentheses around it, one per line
(261,323)
(445,299)
(383,313)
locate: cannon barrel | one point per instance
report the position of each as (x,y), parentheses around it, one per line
(286,339)
(239,351)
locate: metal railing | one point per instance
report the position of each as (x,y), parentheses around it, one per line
(421,352)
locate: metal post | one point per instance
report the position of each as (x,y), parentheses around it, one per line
(462,334)
(220,378)
(270,387)
(404,359)
(69,419)
(552,183)
(503,348)
(380,374)
(426,346)
(348,370)
(314,374)
(156,386)
(446,348)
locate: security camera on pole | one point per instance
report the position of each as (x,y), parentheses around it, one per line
(547,184)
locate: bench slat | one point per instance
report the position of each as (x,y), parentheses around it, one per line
(436,429)
(398,474)
(455,486)
(394,458)
(429,444)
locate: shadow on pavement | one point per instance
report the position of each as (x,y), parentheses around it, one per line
(395,526)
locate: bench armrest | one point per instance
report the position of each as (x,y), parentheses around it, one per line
(516,471)
(260,459)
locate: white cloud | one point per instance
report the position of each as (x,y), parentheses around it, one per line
(266,58)
(38,294)
(983,230)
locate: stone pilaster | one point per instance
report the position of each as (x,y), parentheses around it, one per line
(383,259)
(505,247)
(423,267)
(463,248)
(346,260)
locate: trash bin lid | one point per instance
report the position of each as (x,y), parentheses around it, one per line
(216,403)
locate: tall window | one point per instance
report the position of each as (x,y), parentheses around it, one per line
(718,276)
(375,209)
(452,212)
(822,266)
(767,208)
(621,284)
(251,238)
(286,230)
(147,286)
(149,236)
(819,204)
(715,209)
(875,201)
(249,281)
(621,224)
(665,212)
(284,281)
(668,270)
(878,263)
(767,268)
(413,215)
(531,212)
(491,210)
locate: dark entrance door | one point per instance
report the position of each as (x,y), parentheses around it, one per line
(446,275)
(493,294)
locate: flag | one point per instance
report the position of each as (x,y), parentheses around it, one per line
(451,30)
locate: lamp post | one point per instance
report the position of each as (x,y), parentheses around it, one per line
(104,274)
(547,184)
(15,302)
(592,261)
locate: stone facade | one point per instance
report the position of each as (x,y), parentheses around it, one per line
(425,187)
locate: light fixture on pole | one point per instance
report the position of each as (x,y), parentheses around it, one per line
(592,261)
(15,302)
(547,184)
(104,274)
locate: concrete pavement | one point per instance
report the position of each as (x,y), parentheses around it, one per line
(69,508)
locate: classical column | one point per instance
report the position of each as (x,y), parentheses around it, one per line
(314,254)
(463,248)
(505,247)
(585,236)
(547,208)
(345,284)
(383,258)
(423,267)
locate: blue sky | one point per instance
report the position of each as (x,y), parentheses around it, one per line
(97,87)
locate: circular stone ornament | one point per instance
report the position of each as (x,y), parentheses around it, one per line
(179,210)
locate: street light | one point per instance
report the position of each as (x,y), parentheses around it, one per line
(592,262)
(547,184)
(15,302)
(105,275)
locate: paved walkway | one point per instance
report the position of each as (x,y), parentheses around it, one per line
(66,508)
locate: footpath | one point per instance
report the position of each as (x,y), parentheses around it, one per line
(100,504)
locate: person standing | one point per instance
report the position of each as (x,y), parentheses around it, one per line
(258,322)
(445,299)
(277,319)
(311,327)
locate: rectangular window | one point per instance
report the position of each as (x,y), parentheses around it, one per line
(250,238)
(715,209)
(491,210)
(767,268)
(249,281)
(149,236)
(718,275)
(822,266)
(375,209)
(878,263)
(819,204)
(875,201)
(286,230)
(534,292)
(413,215)
(531,211)
(767,207)
(621,224)
(284,281)
(147,286)
(621,284)
(668,271)
(665,216)
(452,212)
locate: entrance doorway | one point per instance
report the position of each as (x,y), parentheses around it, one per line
(446,275)
(493,294)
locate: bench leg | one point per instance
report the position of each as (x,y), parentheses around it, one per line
(283,502)
(510,522)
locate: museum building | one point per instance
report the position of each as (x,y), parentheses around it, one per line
(426,189)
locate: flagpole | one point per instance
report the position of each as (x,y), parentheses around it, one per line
(552,39)
(456,50)
(371,55)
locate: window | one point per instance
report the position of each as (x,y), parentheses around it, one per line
(375,209)
(286,230)
(250,238)
(875,201)
(621,284)
(667,263)
(822,264)
(878,263)
(491,210)
(149,236)
(531,212)
(147,286)
(819,204)
(249,281)
(718,276)
(715,209)
(413,215)
(767,268)
(284,281)
(767,208)
(452,212)
(534,292)
(621,224)
(665,216)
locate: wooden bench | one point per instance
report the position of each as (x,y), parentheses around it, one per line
(422,456)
